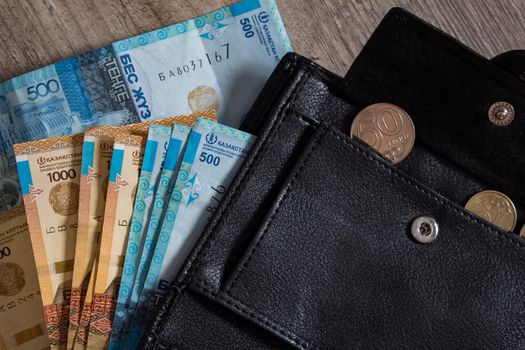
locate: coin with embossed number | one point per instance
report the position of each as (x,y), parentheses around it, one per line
(386,128)
(522,232)
(494,207)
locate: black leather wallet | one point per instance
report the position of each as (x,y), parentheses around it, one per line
(312,247)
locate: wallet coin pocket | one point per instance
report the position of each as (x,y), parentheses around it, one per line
(341,242)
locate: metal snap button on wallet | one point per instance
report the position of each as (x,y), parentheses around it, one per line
(501,113)
(424,229)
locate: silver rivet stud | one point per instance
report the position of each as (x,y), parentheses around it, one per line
(501,113)
(424,229)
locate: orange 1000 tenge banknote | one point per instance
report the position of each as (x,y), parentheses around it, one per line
(49,173)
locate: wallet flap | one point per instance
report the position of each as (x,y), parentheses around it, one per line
(448,90)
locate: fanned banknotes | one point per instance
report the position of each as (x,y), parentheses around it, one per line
(212,157)
(22,323)
(216,61)
(169,213)
(97,153)
(154,156)
(50,173)
(96,157)
(123,180)
(177,145)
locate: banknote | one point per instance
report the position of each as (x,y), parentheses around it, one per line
(22,324)
(96,157)
(97,153)
(49,172)
(81,334)
(212,157)
(154,156)
(217,61)
(60,99)
(128,152)
(177,143)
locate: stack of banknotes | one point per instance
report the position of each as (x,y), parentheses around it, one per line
(110,215)
(103,193)
(216,61)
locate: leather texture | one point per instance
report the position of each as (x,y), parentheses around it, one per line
(311,247)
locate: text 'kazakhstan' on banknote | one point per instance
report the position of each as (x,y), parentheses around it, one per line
(22,323)
(49,173)
(212,157)
(217,61)
(176,146)
(97,153)
(123,179)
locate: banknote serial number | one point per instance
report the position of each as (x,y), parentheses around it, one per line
(219,191)
(209,59)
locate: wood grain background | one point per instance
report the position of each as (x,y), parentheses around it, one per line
(34,33)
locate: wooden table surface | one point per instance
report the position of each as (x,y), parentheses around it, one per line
(35,33)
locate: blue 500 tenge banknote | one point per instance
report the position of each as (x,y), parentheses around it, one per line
(213,155)
(58,100)
(217,61)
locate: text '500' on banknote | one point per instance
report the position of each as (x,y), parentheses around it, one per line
(49,172)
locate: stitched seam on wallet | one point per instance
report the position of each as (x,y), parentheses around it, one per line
(273,130)
(246,175)
(256,314)
(420,188)
(391,171)
(286,191)
(250,311)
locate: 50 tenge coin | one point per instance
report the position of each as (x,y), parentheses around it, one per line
(386,128)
